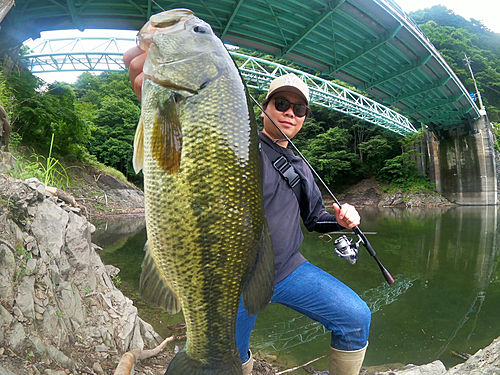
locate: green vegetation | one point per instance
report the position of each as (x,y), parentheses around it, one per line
(93,121)
(455,36)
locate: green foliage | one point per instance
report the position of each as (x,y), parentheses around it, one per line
(46,169)
(401,170)
(455,36)
(38,110)
(329,153)
(376,150)
(116,112)
(496,132)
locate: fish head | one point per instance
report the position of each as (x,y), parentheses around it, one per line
(183,51)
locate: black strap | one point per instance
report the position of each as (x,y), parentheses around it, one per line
(284,168)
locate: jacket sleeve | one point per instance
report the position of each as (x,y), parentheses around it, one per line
(327,223)
(314,214)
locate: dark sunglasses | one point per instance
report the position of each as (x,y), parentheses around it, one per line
(299,109)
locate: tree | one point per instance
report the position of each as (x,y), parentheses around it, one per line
(329,154)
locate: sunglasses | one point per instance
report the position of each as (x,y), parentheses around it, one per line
(299,109)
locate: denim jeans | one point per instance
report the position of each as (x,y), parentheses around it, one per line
(320,296)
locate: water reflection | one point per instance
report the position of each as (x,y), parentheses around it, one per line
(446,295)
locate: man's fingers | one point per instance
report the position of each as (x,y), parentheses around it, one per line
(130,54)
(134,59)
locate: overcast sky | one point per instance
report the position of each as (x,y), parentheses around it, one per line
(488,11)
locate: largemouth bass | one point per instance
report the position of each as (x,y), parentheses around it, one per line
(197,143)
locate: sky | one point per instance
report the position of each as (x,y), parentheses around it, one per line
(488,11)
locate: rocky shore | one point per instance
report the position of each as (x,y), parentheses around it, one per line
(60,310)
(61,313)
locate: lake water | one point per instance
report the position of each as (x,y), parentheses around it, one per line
(446,295)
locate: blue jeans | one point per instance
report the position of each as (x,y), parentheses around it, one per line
(320,296)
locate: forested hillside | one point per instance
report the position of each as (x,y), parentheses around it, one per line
(95,118)
(454,37)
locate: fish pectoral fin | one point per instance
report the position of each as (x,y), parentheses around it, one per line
(138,159)
(154,286)
(259,287)
(166,141)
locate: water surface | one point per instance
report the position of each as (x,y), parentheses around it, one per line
(446,296)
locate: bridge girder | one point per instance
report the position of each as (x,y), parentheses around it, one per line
(258,73)
(370,44)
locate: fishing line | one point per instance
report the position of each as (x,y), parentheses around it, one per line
(158,5)
(356,229)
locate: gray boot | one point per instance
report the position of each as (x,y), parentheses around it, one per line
(346,362)
(248,365)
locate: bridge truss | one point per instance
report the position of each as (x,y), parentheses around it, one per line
(105,54)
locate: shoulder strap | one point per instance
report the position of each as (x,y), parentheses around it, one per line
(284,168)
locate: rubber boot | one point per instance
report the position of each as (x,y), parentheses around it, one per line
(248,365)
(346,362)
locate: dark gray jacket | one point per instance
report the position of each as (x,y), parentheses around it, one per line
(283,212)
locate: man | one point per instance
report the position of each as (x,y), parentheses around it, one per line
(298,284)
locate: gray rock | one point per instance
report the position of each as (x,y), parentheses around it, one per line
(51,352)
(7,269)
(16,336)
(97,368)
(4,371)
(485,361)
(434,368)
(49,227)
(5,317)
(112,270)
(26,296)
(72,302)
(31,266)
(101,348)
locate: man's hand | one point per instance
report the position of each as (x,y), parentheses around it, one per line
(134,60)
(347,216)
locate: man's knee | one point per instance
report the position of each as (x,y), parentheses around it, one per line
(363,315)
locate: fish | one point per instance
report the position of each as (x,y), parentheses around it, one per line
(197,144)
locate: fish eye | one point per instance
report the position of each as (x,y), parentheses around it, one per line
(200,29)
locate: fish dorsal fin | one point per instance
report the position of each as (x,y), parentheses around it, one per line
(259,287)
(138,159)
(166,141)
(154,286)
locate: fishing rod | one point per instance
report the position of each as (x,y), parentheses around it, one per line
(356,229)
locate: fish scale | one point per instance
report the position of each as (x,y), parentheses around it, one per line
(208,241)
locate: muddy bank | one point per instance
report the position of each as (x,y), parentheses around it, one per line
(372,193)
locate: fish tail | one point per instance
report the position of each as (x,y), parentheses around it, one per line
(183,364)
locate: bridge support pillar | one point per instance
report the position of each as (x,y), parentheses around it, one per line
(463,165)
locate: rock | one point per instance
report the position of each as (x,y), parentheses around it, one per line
(8,266)
(16,337)
(2,370)
(50,351)
(112,270)
(97,368)
(31,266)
(49,227)
(26,297)
(485,361)
(5,317)
(101,348)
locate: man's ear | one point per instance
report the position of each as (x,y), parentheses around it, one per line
(262,112)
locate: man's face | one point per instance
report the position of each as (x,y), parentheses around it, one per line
(287,121)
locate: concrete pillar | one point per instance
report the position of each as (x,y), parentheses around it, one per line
(463,165)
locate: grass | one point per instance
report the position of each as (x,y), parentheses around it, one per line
(48,169)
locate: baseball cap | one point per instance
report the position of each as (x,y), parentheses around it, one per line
(289,82)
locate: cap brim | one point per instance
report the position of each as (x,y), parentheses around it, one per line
(293,89)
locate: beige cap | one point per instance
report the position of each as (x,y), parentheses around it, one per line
(289,82)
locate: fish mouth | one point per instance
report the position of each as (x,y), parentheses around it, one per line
(173,19)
